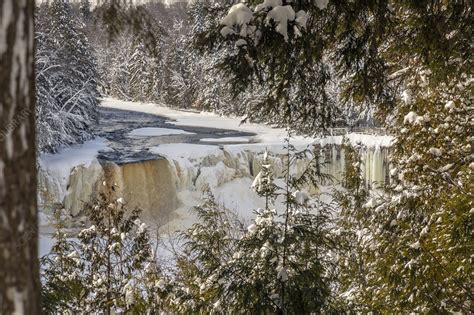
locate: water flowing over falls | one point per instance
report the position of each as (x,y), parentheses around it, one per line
(162,161)
(155,185)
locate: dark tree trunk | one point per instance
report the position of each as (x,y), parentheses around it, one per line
(19,272)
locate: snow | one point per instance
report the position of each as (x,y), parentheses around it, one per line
(46,243)
(282,274)
(268,4)
(265,134)
(155,132)
(43,220)
(226,139)
(59,165)
(226,31)
(214,176)
(256,182)
(196,165)
(370,204)
(240,42)
(185,151)
(282,15)
(240,15)
(302,18)
(300,197)
(415,245)
(252,228)
(406,97)
(411,118)
(436,152)
(449,105)
(237,196)
(357,138)
(322,4)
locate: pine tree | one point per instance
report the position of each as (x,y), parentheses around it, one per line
(354,217)
(412,245)
(63,287)
(279,263)
(85,9)
(182,69)
(263,183)
(66,76)
(299,49)
(412,60)
(110,268)
(423,225)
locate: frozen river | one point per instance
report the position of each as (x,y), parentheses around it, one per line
(163,160)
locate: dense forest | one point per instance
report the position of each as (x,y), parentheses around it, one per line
(165,65)
(308,66)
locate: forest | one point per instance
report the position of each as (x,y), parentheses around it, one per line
(226,157)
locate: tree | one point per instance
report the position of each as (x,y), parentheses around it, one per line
(111,267)
(85,9)
(19,272)
(280,263)
(19,276)
(412,59)
(63,288)
(299,49)
(263,183)
(421,230)
(66,76)
(353,236)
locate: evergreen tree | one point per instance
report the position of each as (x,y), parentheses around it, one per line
(263,183)
(66,76)
(280,263)
(298,49)
(421,230)
(412,59)
(110,268)
(63,287)
(85,9)
(353,237)
(182,69)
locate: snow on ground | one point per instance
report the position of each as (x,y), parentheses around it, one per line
(155,132)
(67,158)
(234,193)
(265,134)
(185,153)
(356,138)
(236,196)
(227,139)
(46,243)
(58,166)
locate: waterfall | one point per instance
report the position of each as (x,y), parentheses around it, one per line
(155,185)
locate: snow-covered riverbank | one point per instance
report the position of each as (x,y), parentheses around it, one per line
(164,159)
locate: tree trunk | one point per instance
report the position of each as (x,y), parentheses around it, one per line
(19,272)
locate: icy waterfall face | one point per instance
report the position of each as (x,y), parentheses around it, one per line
(155,185)
(375,160)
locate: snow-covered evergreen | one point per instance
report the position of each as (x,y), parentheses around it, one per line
(305,65)
(111,267)
(66,78)
(279,263)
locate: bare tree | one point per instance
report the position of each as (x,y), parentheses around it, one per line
(19,277)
